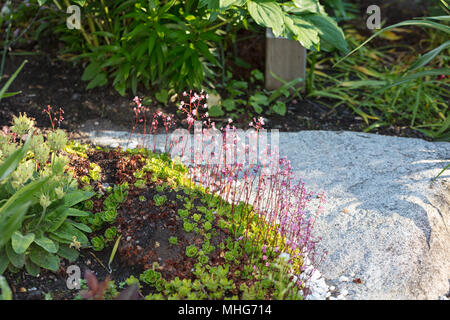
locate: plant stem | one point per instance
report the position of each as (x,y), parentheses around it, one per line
(310,83)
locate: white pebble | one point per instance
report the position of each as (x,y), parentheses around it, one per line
(343,279)
(344,292)
(332,288)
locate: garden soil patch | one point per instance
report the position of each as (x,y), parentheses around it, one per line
(145,229)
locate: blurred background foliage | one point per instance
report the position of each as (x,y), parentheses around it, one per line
(400,78)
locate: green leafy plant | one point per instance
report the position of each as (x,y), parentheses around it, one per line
(98,243)
(191,251)
(5,291)
(37,223)
(173,241)
(415,87)
(159,200)
(178,44)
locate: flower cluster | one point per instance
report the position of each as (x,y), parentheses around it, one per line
(274,195)
(140,112)
(194,107)
(56,117)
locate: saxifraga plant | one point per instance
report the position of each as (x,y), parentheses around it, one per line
(276,218)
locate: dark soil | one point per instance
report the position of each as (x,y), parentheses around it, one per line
(145,229)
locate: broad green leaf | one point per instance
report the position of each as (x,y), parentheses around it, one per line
(6,293)
(75,197)
(229,104)
(4,261)
(303,31)
(257,101)
(215,111)
(279,108)
(32,268)
(68,253)
(312,6)
(20,242)
(68,231)
(162,96)
(98,81)
(72,212)
(47,244)
(17,260)
(81,226)
(91,71)
(328,30)
(13,211)
(224,4)
(44,259)
(55,219)
(267,14)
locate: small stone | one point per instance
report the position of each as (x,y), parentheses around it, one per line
(332,288)
(343,279)
(88,262)
(128,238)
(344,292)
(96,123)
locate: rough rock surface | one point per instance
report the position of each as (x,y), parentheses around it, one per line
(382,223)
(386,231)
